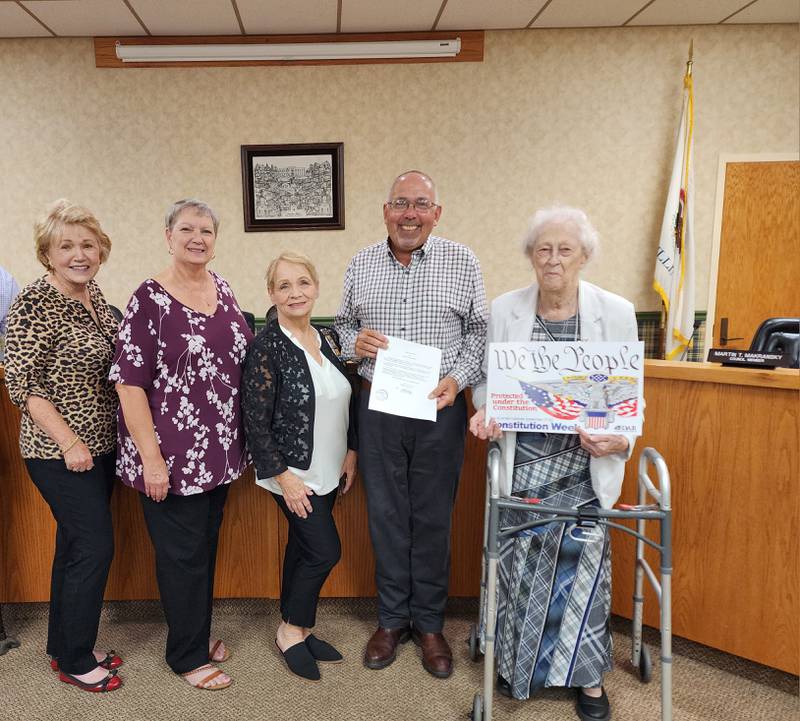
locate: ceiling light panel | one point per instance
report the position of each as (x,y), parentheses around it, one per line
(359,16)
(483,15)
(586,13)
(187,17)
(686,12)
(16,23)
(276,17)
(769,11)
(85,18)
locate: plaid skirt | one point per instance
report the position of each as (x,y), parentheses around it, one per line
(554,592)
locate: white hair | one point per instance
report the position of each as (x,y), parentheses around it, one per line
(198,206)
(564,216)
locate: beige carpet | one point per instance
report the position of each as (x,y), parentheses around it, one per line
(708,685)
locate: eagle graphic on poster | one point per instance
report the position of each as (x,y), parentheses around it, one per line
(592,400)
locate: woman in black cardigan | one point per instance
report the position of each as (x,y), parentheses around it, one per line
(299,407)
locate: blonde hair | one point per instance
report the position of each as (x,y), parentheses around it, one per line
(290,257)
(49,227)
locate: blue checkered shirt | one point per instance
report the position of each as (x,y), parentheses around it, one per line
(8,291)
(438,300)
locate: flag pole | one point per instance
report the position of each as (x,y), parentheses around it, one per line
(690,61)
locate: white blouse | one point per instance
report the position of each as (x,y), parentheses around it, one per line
(331,417)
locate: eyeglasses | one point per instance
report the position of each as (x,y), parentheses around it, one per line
(421,205)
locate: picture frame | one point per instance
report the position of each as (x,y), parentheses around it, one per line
(296,186)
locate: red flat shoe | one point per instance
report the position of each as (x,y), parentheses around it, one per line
(110,683)
(110,662)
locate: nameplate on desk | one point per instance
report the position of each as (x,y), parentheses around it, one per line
(749,358)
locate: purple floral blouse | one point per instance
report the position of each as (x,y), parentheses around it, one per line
(190,366)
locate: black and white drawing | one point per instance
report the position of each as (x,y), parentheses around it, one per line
(296,186)
(293,187)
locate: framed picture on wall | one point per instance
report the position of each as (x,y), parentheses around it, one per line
(293,187)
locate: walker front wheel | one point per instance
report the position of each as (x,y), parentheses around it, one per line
(477,708)
(474,645)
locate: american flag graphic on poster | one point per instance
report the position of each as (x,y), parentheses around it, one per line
(627,408)
(596,420)
(554,404)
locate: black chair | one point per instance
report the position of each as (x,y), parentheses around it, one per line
(116,312)
(779,335)
(250,319)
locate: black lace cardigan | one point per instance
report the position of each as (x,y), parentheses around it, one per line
(278,400)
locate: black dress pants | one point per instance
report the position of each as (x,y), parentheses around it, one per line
(410,470)
(184,531)
(84,549)
(312,550)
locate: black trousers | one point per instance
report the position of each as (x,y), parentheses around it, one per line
(184,531)
(313,548)
(84,549)
(410,470)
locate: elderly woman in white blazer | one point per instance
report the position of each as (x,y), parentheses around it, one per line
(560,635)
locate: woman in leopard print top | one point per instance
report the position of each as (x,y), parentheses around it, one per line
(59,346)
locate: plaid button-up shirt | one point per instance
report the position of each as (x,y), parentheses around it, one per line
(438,300)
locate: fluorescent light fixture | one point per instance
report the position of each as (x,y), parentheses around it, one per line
(377,49)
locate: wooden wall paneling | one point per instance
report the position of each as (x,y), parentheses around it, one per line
(758,251)
(247,561)
(733,456)
(132,574)
(106,57)
(27,528)
(467,536)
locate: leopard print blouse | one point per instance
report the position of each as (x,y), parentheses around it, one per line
(56,351)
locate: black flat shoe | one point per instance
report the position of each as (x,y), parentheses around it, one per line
(504,687)
(300,661)
(322,650)
(593,709)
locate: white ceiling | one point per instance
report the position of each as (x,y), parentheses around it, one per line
(69,18)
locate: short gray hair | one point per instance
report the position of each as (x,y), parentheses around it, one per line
(180,205)
(562,215)
(424,176)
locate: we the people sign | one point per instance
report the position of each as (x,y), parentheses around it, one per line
(556,387)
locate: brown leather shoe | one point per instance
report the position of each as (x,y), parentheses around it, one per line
(382,646)
(437,658)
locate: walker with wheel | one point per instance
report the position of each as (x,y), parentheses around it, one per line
(584,520)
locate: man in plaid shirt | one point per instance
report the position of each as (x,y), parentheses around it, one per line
(425,289)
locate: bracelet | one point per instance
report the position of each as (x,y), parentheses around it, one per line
(67,448)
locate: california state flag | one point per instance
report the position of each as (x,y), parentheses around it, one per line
(674,276)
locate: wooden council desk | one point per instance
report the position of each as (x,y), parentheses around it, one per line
(730,439)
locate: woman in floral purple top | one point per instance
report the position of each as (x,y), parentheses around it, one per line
(178,366)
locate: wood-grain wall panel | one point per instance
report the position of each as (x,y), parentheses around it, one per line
(758,252)
(733,458)
(27,530)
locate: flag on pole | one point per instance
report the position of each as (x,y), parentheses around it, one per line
(674,275)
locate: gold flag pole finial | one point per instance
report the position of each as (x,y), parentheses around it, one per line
(690,61)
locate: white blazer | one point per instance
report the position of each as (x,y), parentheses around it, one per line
(604,316)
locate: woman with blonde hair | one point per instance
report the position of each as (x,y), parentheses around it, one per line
(299,417)
(59,346)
